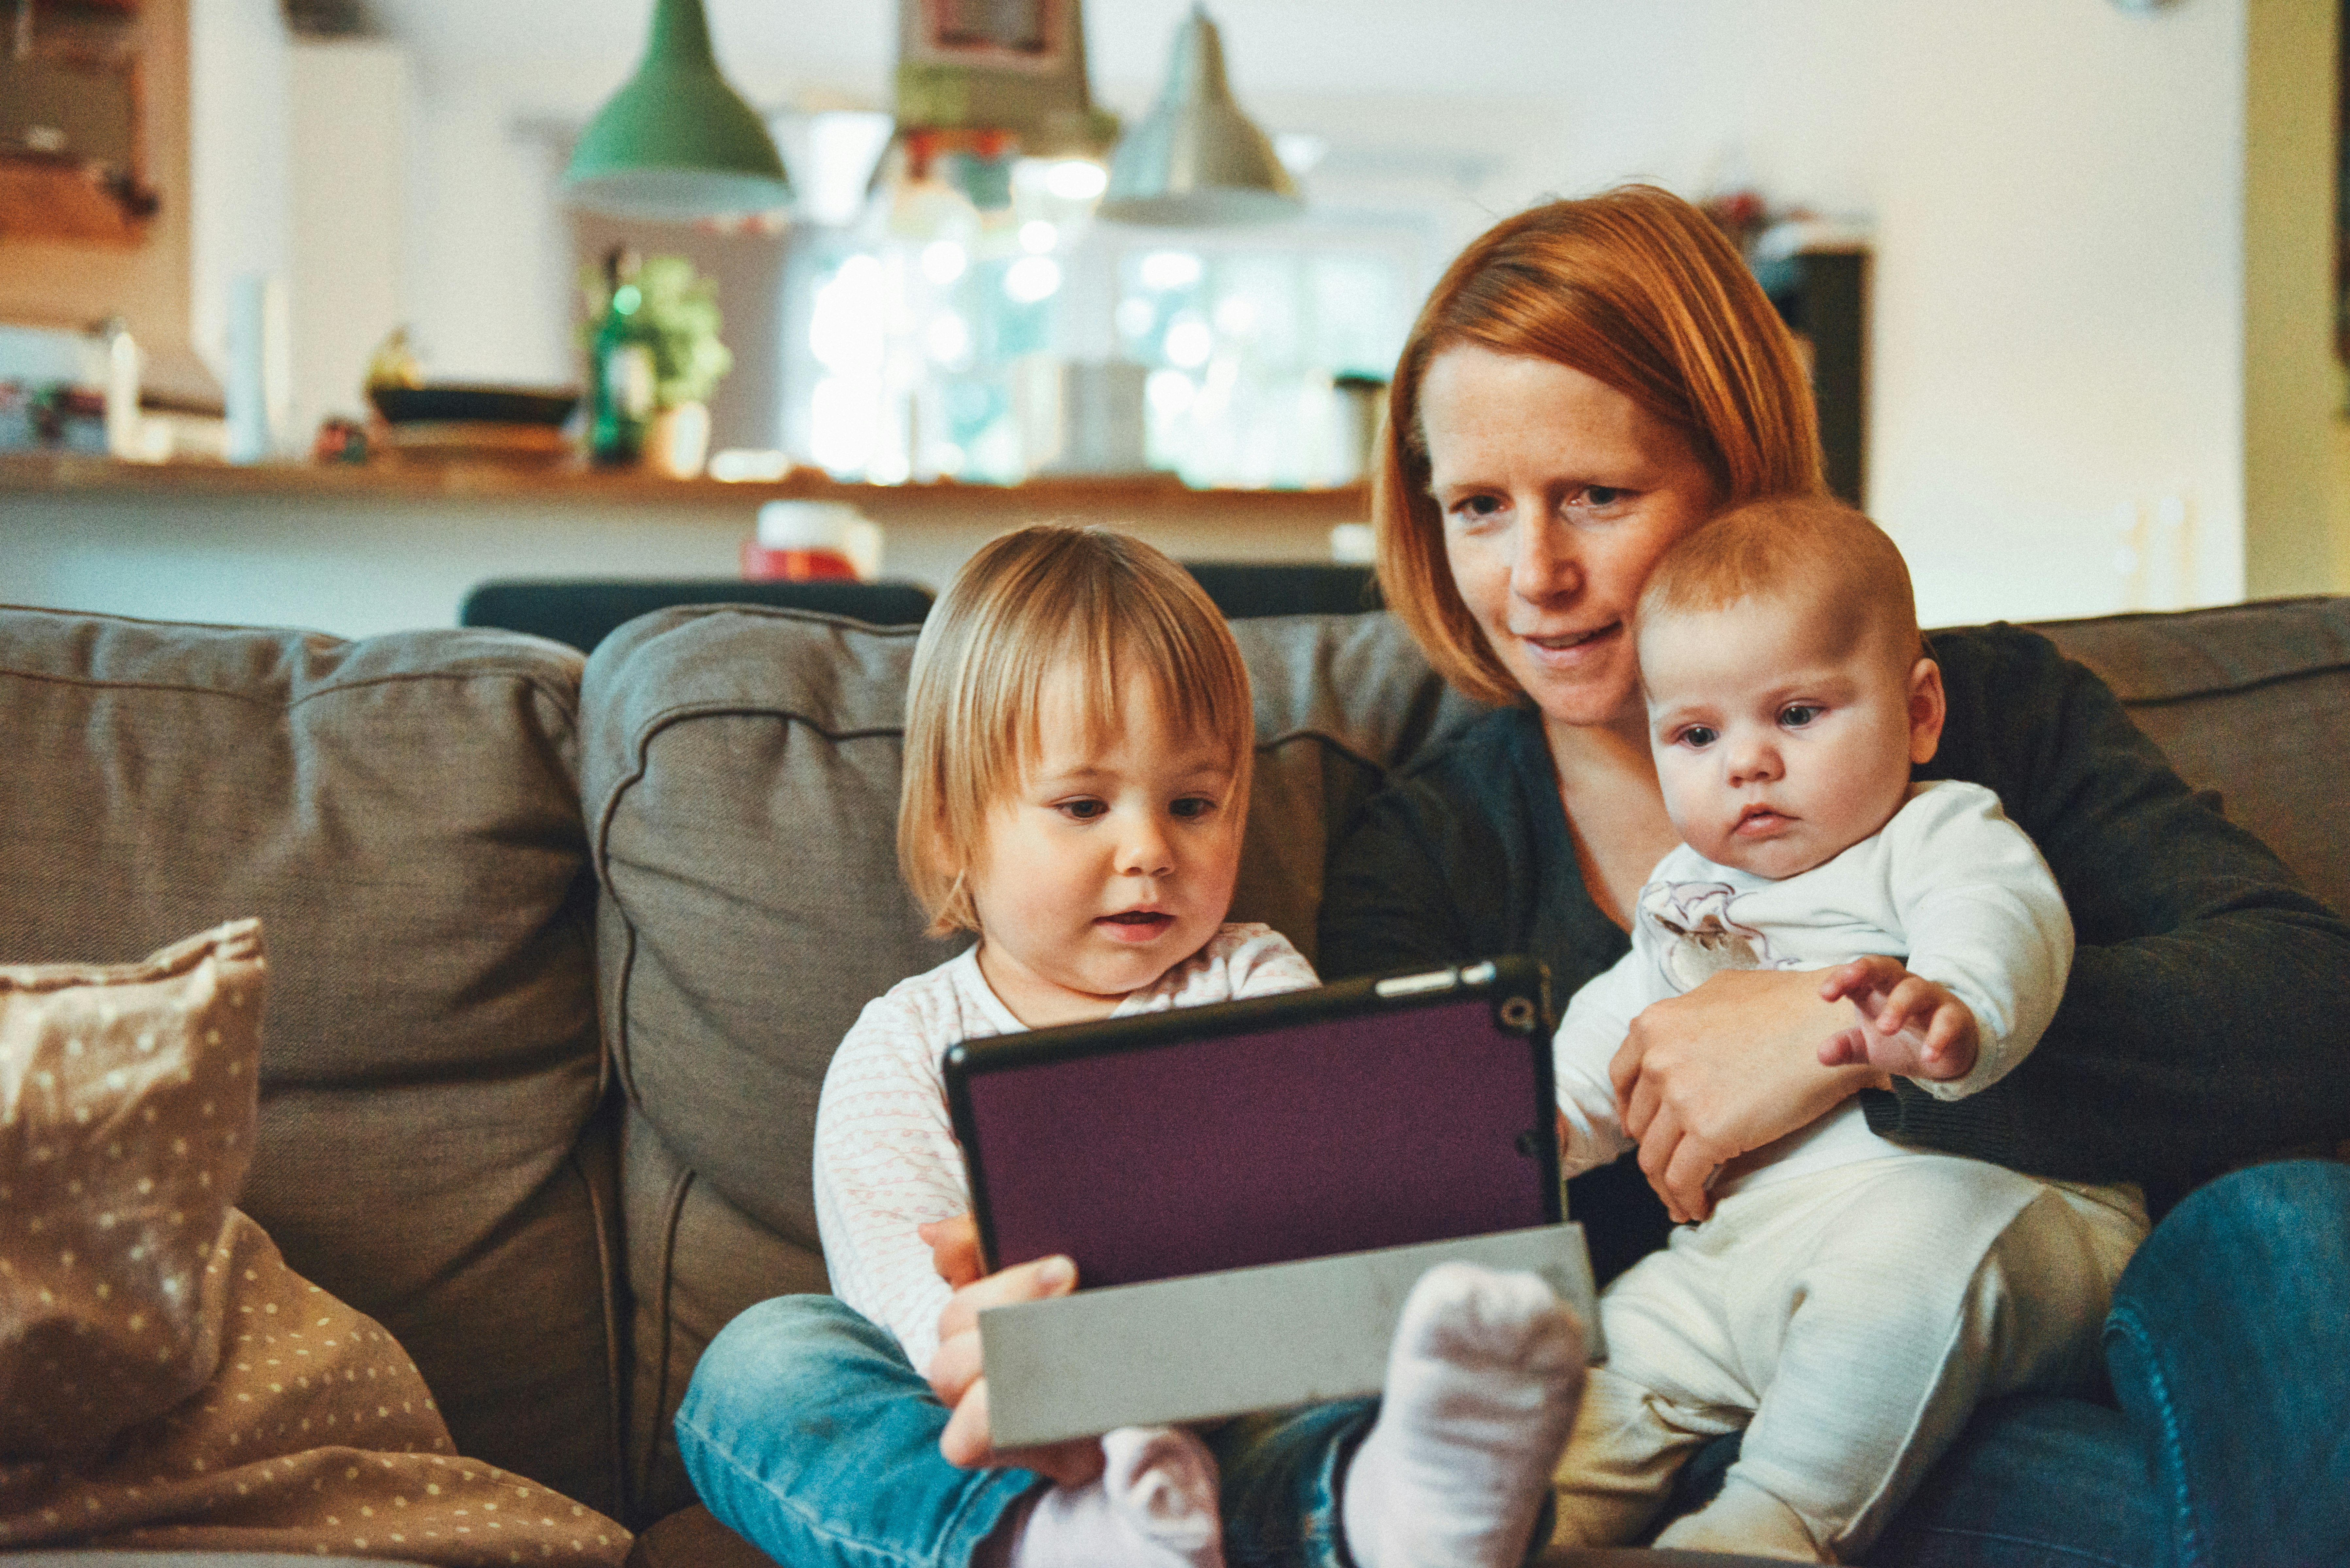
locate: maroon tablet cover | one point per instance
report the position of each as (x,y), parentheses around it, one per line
(1322,1123)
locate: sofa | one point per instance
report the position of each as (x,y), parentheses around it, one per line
(559,950)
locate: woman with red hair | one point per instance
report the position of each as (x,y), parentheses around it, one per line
(1589,382)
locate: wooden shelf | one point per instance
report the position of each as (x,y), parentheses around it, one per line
(1142,497)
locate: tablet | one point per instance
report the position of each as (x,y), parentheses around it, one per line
(1375,1113)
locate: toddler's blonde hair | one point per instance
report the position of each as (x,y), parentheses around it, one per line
(1808,548)
(1032,603)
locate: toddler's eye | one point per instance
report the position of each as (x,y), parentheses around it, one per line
(1192,806)
(1796,715)
(1697,737)
(1083,810)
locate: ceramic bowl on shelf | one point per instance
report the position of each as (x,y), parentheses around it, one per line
(457,403)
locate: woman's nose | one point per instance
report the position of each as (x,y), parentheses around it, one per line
(1543,565)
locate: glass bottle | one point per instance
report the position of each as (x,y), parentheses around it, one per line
(620,370)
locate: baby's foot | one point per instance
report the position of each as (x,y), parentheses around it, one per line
(1483,1383)
(1154,1507)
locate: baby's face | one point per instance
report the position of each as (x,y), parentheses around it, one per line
(1782,739)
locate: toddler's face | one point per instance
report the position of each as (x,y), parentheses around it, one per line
(1108,866)
(1780,739)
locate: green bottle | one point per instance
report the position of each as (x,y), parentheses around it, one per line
(620,370)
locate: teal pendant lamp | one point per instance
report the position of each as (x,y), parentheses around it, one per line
(677,145)
(1195,159)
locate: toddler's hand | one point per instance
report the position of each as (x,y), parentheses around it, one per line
(958,1380)
(954,1248)
(1909,1025)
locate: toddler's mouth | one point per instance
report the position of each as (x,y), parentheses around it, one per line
(1135,925)
(1758,820)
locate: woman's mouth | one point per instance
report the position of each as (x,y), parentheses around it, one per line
(1135,925)
(1567,646)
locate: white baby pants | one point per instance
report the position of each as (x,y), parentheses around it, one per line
(1848,1320)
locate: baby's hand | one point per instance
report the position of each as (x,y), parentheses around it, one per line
(1909,1025)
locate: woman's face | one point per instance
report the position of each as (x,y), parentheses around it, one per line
(1558,494)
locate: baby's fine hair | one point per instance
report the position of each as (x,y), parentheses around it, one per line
(1100,605)
(1808,547)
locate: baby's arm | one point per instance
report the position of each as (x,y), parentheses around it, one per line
(1985,924)
(1598,1017)
(887,1163)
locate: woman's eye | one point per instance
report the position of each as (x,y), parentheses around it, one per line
(1472,510)
(1697,737)
(1604,495)
(1796,715)
(1083,810)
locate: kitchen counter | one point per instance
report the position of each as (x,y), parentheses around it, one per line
(360,549)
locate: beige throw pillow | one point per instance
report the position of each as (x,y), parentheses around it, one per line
(166,1382)
(126,1129)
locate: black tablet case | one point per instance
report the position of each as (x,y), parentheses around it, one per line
(1375,1113)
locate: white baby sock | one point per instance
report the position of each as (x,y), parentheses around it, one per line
(1154,1507)
(1483,1383)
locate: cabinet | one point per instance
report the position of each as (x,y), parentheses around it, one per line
(73,137)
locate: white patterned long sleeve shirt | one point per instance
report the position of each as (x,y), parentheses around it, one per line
(885,1156)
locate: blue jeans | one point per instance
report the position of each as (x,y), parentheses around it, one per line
(808,1433)
(2229,1347)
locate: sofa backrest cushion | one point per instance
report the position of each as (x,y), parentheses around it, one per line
(403,815)
(2252,700)
(739,772)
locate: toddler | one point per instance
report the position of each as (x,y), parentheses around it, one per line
(1849,1299)
(1078,745)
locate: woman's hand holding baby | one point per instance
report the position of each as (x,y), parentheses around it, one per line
(957,1375)
(1703,1078)
(1909,1025)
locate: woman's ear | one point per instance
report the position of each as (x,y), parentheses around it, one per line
(1928,708)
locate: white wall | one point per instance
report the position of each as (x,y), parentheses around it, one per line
(238,131)
(347,110)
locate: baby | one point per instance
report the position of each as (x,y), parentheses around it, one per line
(1078,745)
(1849,1299)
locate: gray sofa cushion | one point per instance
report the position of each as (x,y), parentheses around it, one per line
(740,771)
(402,814)
(2252,700)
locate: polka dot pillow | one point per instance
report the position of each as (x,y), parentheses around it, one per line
(126,1128)
(168,1383)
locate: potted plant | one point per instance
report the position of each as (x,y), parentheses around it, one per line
(658,323)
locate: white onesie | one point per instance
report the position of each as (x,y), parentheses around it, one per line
(1950,886)
(1850,1300)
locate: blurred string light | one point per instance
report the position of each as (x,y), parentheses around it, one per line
(1076,179)
(1169,270)
(1189,342)
(1037,236)
(947,338)
(1032,279)
(943,261)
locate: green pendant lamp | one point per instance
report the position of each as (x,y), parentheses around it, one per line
(677,145)
(1195,159)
